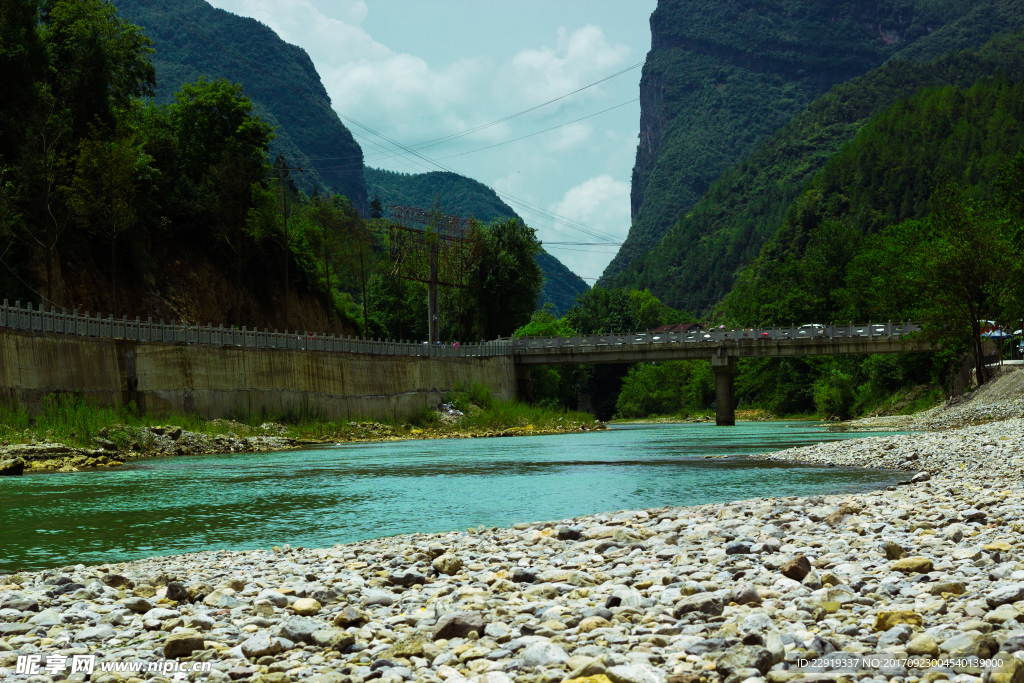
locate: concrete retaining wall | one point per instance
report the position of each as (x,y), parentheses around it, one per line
(224,381)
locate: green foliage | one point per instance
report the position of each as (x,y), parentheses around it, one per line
(466,197)
(673,388)
(193,39)
(834,394)
(885,176)
(602,310)
(697,262)
(138,179)
(507,280)
(722,76)
(544,323)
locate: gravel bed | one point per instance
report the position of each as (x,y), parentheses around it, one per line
(923,582)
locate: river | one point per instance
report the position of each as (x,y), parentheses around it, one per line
(335,494)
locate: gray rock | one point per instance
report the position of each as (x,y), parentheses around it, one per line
(48,617)
(1005,595)
(298,629)
(333,639)
(101,633)
(273,597)
(635,673)
(520,575)
(897,635)
(261,644)
(377,597)
(202,622)
(545,654)
(745,594)
(744,657)
(139,605)
(161,614)
(707,604)
(458,625)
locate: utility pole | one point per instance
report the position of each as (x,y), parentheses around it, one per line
(283,196)
(433,321)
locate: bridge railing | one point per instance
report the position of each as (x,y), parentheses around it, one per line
(86,325)
(718,335)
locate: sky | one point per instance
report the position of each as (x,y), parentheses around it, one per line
(417,71)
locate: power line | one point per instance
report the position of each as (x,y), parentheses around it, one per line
(562,125)
(437,141)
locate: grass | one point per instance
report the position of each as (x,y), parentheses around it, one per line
(76,422)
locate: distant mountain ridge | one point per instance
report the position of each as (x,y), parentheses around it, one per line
(193,39)
(724,75)
(466,197)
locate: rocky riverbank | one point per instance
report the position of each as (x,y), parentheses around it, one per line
(1001,398)
(924,582)
(119,445)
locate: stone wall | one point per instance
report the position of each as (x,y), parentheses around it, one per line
(217,381)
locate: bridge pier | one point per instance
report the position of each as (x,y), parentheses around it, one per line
(724,368)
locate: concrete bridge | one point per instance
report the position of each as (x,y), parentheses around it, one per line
(216,370)
(721,347)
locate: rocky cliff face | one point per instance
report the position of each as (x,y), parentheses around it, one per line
(723,75)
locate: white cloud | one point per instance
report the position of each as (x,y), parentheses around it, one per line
(601,203)
(408,99)
(544,73)
(404,97)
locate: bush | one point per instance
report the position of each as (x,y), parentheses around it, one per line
(835,395)
(671,388)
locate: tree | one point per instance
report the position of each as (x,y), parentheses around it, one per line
(506,282)
(337,235)
(104,188)
(376,208)
(604,310)
(962,263)
(284,187)
(99,63)
(243,208)
(41,181)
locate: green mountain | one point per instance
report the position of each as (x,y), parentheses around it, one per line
(810,269)
(724,75)
(698,260)
(193,39)
(466,197)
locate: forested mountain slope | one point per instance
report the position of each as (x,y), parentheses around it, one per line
(466,197)
(814,268)
(699,258)
(723,75)
(193,39)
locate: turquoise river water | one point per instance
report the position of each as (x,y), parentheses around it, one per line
(334,494)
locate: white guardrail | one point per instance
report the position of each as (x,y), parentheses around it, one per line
(85,325)
(718,335)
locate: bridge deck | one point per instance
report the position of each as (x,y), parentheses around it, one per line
(756,343)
